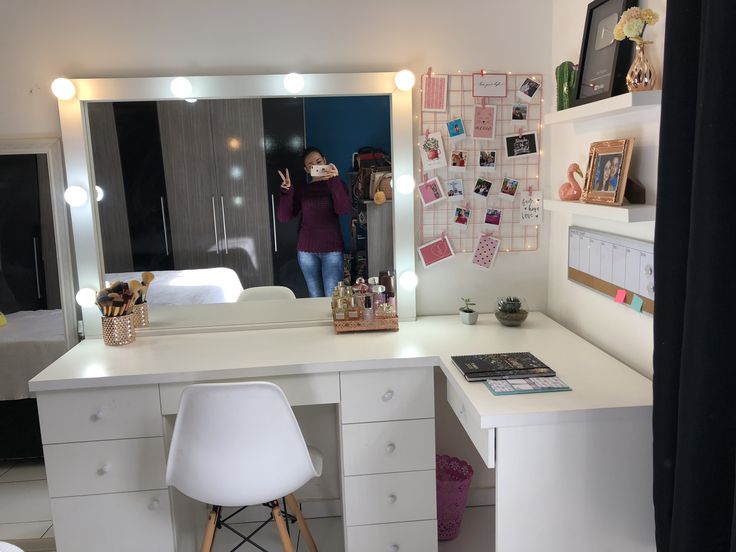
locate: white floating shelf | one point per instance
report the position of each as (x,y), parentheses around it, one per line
(610,106)
(625,213)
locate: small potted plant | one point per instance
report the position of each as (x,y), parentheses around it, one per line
(467,314)
(510,311)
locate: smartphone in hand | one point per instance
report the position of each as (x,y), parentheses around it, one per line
(320,170)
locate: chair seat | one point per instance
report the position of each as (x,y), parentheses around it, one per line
(7,547)
(317,460)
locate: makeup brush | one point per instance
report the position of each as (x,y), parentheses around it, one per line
(147,278)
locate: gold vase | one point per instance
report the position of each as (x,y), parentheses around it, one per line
(641,75)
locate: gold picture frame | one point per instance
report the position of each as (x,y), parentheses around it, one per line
(608,170)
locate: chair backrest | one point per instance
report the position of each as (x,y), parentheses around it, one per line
(237,444)
(263,293)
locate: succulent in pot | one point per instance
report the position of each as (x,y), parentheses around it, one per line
(510,311)
(467,314)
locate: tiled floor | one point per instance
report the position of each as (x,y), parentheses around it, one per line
(25,520)
(25,510)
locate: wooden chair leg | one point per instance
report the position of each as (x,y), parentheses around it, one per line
(297,512)
(210,529)
(281,526)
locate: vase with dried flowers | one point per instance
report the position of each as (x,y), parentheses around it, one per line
(633,22)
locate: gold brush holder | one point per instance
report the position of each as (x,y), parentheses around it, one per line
(118,330)
(140,315)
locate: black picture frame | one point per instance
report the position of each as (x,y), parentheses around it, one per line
(619,64)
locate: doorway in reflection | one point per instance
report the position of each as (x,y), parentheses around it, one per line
(191,189)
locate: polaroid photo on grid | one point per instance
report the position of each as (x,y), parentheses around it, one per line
(430,192)
(484,122)
(459,159)
(519,112)
(435,251)
(520,145)
(432,151)
(434,93)
(487,160)
(456,129)
(486,251)
(508,189)
(461,216)
(528,89)
(492,220)
(482,187)
(455,190)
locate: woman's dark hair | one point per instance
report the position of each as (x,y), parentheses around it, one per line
(311,149)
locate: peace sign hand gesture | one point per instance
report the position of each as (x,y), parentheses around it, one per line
(285,180)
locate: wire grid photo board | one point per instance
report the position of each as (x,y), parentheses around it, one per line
(438,218)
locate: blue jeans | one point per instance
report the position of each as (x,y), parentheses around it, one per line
(322,271)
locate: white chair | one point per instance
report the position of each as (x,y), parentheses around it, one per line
(7,547)
(239,444)
(263,293)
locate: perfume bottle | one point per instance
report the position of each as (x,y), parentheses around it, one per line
(368,307)
(386,279)
(354,310)
(341,310)
(379,296)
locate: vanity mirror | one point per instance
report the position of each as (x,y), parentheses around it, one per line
(191,190)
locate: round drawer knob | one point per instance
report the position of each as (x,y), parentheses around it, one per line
(154,504)
(462,409)
(390,448)
(104,469)
(392,498)
(387,396)
(97,416)
(394,548)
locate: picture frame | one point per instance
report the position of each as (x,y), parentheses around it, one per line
(607,172)
(490,85)
(604,61)
(434,93)
(431,192)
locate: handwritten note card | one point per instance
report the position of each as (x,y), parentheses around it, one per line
(489,85)
(531,208)
(484,122)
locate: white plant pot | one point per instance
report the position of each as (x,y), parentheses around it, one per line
(469,318)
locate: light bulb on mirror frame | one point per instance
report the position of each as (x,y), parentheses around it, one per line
(404,80)
(293,82)
(99,193)
(181,87)
(405,184)
(86,297)
(75,196)
(408,280)
(63,89)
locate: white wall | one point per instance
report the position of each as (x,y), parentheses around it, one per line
(616,329)
(43,39)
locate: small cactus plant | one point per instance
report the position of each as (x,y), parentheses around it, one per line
(509,305)
(467,303)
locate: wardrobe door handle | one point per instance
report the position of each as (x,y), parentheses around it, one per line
(35,262)
(224,223)
(273,218)
(214,225)
(166,233)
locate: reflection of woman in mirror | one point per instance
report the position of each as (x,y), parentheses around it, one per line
(320,201)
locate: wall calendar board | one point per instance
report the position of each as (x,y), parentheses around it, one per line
(609,263)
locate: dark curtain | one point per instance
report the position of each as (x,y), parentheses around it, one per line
(694,332)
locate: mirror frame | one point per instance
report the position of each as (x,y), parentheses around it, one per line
(51,148)
(78,158)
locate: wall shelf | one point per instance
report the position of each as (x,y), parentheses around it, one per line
(610,106)
(624,213)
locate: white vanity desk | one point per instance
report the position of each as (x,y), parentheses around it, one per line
(573,469)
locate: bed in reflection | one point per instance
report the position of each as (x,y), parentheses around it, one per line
(188,287)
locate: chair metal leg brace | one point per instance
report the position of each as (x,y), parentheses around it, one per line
(223,522)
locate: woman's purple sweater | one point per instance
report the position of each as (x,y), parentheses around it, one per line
(320,204)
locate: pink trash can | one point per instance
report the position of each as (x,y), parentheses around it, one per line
(453,485)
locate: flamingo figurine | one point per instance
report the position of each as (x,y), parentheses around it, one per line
(571,190)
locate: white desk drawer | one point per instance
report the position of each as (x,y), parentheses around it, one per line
(377,395)
(119,522)
(391,497)
(415,536)
(96,414)
(301,389)
(105,466)
(384,447)
(483,439)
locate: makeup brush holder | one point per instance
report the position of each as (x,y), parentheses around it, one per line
(140,315)
(118,330)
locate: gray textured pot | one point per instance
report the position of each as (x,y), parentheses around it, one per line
(469,318)
(511,318)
